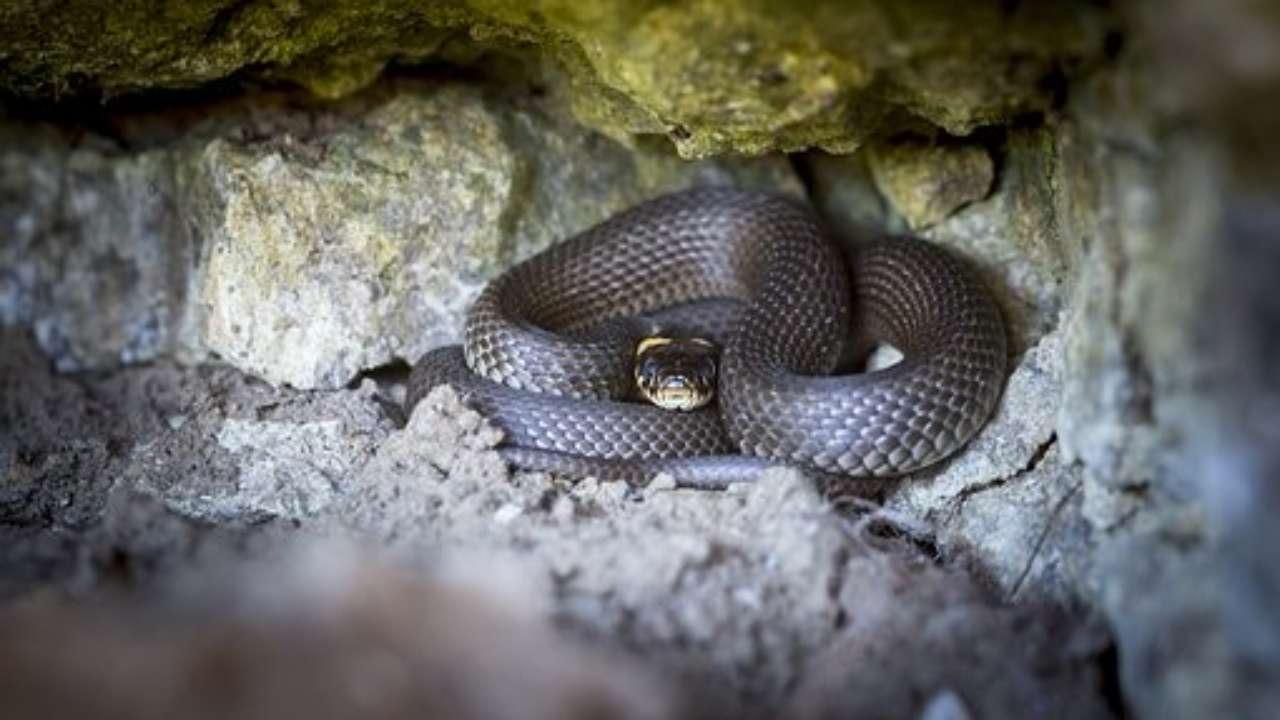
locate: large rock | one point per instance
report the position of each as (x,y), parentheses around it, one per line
(348,238)
(330,254)
(1125,467)
(1171,403)
(747,75)
(1008,501)
(1007,227)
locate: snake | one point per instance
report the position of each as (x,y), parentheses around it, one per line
(548,346)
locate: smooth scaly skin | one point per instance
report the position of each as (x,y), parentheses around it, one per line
(535,369)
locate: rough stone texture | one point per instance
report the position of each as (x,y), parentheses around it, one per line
(1131,403)
(927,182)
(1016,235)
(1171,368)
(747,75)
(844,193)
(332,253)
(1126,241)
(1009,501)
(309,244)
(345,250)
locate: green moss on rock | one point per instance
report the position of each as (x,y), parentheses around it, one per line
(927,181)
(745,76)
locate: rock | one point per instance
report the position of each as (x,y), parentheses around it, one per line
(259,453)
(1170,391)
(1128,235)
(927,182)
(423,201)
(900,614)
(845,194)
(319,631)
(1007,500)
(1013,237)
(93,252)
(355,237)
(741,76)
(335,253)
(1017,238)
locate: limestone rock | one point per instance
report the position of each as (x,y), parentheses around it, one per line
(355,236)
(336,253)
(1126,233)
(1012,237)
(1016,236)
(846,195)
(329,254)
(1170,389)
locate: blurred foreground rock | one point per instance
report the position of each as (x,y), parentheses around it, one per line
(317,632)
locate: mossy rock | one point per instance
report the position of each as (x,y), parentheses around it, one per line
(746,76)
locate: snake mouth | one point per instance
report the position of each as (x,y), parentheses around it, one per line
(676,374)
(675,393)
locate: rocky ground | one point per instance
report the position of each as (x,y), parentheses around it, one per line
(270,528)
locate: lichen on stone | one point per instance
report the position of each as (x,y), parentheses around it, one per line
(744,76)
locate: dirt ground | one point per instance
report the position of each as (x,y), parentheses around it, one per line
(191,541)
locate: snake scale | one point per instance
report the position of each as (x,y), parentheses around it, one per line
(549,345)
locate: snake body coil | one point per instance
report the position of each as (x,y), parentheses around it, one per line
(549,346)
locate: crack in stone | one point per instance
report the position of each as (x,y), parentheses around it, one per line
(1040,540)
(1028,467)
(835,586)
(1032,464)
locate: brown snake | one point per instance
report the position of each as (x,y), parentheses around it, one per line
(549,346)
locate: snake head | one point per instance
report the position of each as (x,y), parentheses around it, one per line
(676,373)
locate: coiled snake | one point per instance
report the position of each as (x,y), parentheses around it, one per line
(549,347)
